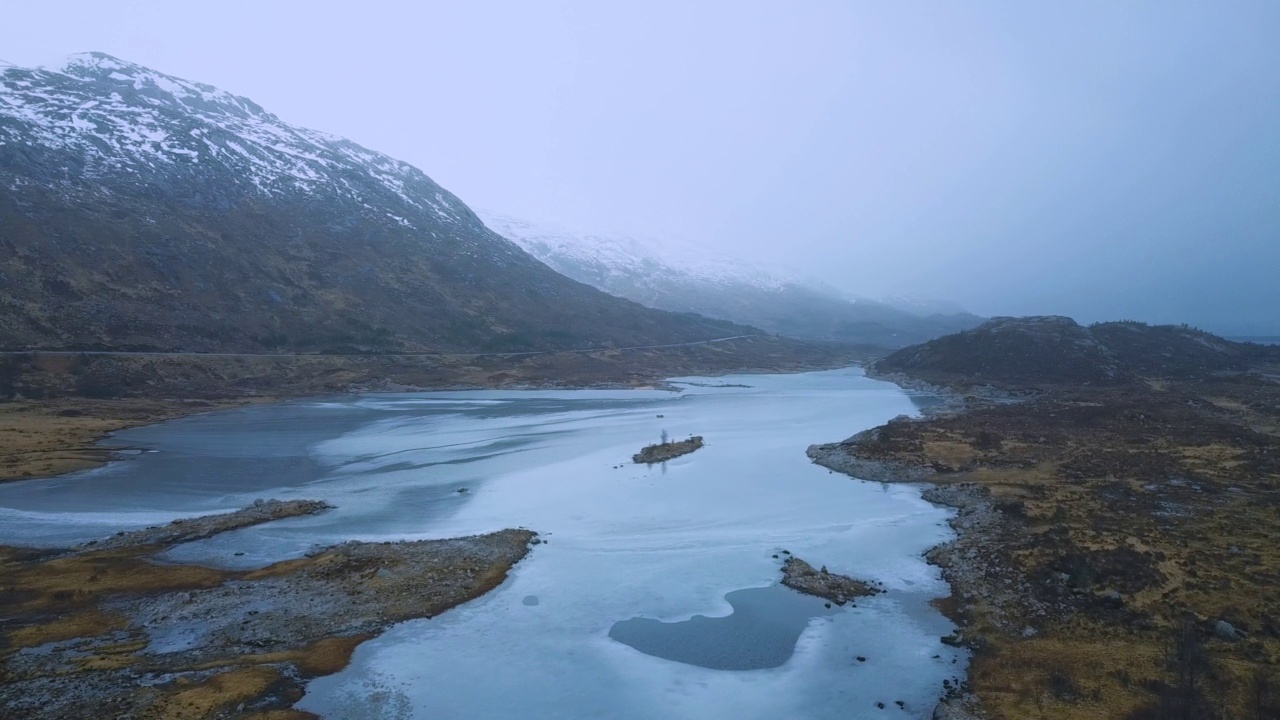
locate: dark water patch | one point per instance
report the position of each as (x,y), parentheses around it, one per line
(760,633)
(475,452)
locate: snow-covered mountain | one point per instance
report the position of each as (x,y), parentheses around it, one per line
(115,117)
(682,277)
(140,209)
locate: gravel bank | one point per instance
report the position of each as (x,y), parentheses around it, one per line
(187,530)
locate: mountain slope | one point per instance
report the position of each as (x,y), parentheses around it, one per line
(139,210)
(683,279)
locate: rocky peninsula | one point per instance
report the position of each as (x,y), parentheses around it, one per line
(109,630)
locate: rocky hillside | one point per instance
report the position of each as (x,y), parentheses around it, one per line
(683,278)
(1053,349)
(142,211)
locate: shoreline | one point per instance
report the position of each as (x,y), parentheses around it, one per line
(41,439)
(956,558)
(45,438)
(106,627)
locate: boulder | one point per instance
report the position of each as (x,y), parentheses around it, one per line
(950,710)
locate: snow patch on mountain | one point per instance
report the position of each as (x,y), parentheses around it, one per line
(112,116)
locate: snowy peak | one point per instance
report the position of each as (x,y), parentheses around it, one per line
(110,120)
(124,76)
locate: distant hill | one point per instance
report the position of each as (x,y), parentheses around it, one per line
(682,278)
(143,211)
(1057,350)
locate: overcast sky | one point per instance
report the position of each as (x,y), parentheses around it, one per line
(1098,159)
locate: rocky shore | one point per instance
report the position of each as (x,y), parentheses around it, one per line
(109,631)
(842,457)
(964,561)
(1096,528)
(950,399)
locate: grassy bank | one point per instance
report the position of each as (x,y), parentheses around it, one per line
(41,438)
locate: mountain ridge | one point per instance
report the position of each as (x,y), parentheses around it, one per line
(144,211)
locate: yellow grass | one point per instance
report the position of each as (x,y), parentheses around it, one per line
(87,623)
(81,580)
(949,452)
(226,690)
(1102,677)
(39,439)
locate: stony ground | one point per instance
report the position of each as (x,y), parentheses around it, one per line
(187,530)
(106,630)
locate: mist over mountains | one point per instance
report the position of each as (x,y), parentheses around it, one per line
(682,277)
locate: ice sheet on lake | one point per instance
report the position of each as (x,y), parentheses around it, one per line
(666,542)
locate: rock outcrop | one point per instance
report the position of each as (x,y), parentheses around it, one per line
(839,589)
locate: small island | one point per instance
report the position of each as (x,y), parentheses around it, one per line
(667,450)
(839,589)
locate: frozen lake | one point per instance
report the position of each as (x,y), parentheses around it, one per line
(679,558)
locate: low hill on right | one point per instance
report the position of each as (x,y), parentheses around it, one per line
(1054,350)
(1117,489)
